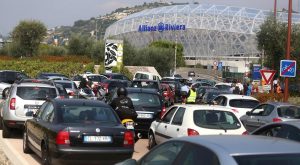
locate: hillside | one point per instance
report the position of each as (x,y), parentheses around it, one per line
(88,27)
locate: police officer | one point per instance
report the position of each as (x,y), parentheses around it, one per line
(192,95)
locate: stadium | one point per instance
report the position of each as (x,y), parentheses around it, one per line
(209,33)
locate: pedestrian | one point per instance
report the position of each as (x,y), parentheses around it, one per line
(249,89)
(184,92)
(191,96)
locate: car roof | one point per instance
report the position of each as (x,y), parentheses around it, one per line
(204,107)
(235,145)
(77,102)
(293,123)
(236,96)
(141,90)
(280,103)
(144,80)
(63,81)
(228,84)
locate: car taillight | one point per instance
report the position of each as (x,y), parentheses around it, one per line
(12,104)
(245,133)
(192,132)
(165,94)
(71,93)
(63,137)
(276,119)
(163,111)
(235,110)
(128,139)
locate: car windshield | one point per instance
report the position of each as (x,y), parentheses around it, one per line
(65,84)
(291,112)
(216,119)
(85,114)
(274,159)
(243,103)
(36,93)
(145,99)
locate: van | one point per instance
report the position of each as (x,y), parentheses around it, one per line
(146,75)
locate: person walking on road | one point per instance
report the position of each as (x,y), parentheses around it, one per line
(184,90)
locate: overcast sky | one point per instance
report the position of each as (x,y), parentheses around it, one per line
(64,12)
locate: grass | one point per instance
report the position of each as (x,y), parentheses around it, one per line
(294,100)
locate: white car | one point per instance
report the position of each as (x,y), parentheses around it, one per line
(239,104)
(190,120)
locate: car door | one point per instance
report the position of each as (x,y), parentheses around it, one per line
(266,116)
(252,120)
(175,129)
(162,127)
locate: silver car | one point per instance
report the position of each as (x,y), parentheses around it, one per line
(222,150)
(270,112)
(23,99)
(70,87)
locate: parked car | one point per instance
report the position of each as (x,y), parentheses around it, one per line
(24,98)
(239,104)
(222,150)
(71,88)
(190,120)
(8,77)
(286,129)
(168,94)
(45,75)
(77,131)
(148,104)
(270,112)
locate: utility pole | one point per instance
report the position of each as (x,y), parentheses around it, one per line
(286,79)
(175,53)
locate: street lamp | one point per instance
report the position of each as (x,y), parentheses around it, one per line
(175,53)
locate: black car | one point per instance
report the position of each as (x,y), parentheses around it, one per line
(10,76)
(44,75)
(148,104)
(77,131)
(144,83)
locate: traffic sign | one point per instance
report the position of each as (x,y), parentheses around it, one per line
(288,68)
(267,75)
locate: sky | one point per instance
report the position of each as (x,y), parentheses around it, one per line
(65,12)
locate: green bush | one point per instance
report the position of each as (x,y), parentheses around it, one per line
(52,50)
(90,67)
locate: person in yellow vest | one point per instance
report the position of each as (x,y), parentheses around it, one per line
(192,94)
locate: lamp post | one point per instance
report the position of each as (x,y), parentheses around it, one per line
(286,80)
(175,54)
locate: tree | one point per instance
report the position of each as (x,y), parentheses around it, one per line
(97,52)
(27,37)
(80,45)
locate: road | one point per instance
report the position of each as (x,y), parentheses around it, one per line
(12,147)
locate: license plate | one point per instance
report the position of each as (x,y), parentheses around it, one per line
(100,139)
(129,125)
(144,116)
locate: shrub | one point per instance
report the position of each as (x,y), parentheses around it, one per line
(265,97)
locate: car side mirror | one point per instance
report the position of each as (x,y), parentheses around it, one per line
(248,113)
(128,162)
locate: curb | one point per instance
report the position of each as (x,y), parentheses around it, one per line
(12,155)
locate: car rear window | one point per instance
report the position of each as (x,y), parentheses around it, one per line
(216,119)
(291,112)
(85,114)
(145,84)
(223,87)
(145,99)
(274,159)
(36,93)
(65,84)
(243,103)
(96,78)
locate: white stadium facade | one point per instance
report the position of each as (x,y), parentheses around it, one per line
(209,33)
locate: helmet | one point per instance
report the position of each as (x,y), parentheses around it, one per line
(122,91)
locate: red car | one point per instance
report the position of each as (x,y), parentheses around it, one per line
(168,94)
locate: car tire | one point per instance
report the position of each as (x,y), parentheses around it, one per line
(26,148)
(151,140)
(46,158)
(6,132)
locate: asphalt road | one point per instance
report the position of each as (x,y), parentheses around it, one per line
(12,147)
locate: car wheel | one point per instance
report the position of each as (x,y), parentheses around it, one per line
(151,140)
(6,132)
(46,159)
(26,148)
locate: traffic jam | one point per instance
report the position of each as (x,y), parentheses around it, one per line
(98,118)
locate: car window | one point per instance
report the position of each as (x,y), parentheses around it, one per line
(85,114)
(269,131)
(65,84)
(145,99)
(243,103)
(289,132)
(198,155)
(165,154)
(291,112)
(216,119)
(36,93)
(47,112)
(41,109)
(169,114)
(258,111)
(178,117)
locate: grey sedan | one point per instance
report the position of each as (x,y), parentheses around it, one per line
(268,113)
(222,150)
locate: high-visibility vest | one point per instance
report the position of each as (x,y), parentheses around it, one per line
(192,97)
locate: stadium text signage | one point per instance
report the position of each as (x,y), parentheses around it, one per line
(161,27)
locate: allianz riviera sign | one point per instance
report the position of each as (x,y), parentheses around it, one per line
(161,27)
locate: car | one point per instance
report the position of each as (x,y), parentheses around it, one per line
(119,77)
(96,78)
(110,84)
(190,120)
(24,98)
(58,78)
(239,104)
(145,83)
(191,74)
(147,103)
(286,129)
(70,86)
(77,131)
(176,85)
(146,75)
(168,94)
(211,82)
(210,95)
(8,77)
(270,112)
(222,150)
(200,84)
(77,79)
(224,86)
(45,75)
